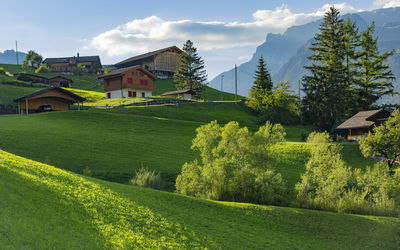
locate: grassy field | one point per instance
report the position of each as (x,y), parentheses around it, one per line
(114,143)
(209,94)
(9,92)
(58,209)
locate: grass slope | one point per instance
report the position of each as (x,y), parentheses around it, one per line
(58,209)
(9,92)
(115,143)
(209,94)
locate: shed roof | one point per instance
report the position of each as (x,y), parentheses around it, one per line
(149,54)
(66,59)
(361,120)
(63,77)
(120,72)
(77,97)
(177,92)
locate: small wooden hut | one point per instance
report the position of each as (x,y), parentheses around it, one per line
(60,81)
(363,122)
(184,94)
(59,99)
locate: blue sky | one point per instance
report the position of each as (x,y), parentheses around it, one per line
(225,32)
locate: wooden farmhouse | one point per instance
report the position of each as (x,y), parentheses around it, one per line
(129,82)
(363,122)
(57,98)
(67,64)
(31,78)
(60,81)
(184,94)
(161,63)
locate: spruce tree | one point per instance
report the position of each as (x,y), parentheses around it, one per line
(190,73)
(326,87)
(263,78)
(375,78)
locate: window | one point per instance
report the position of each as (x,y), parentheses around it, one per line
(108,95)
(130,94)
(141,74)
(134,94)
(143,94)
(133,73)
(108,82)
(145,82)
(130,80)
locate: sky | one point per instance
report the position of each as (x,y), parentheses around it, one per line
(224,32)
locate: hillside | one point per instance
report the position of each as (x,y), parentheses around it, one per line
(286,54)
(114,143)
(58,209)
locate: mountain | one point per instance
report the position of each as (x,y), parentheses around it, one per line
(9,57)
(286,54)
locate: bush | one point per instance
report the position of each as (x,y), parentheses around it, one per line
(148,179)
(329,184)
(42,69)
(235,165)
(86,171)
(2,71)
(80,70)
(340,138)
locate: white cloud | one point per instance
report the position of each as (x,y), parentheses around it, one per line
(143,35)
(387,3)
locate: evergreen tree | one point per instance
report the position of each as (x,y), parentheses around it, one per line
(263,78)
(326,87)
(376,78)
(190,73)
(351,39)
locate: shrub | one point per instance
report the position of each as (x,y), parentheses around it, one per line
(235,165)
(148,179)
(86,171)
(340,138)
(42,69)
(2,71)
(80,70)
(276,114)
(330,185)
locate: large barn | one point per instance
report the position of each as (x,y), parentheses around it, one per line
(128,82)
(161,63)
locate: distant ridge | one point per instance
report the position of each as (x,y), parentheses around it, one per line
(9,57)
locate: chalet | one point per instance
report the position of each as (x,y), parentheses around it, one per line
(128,82)
(57,99)
(31,78)
(363,122)
(161,63)
(60,81)
(67,64)
(184,94)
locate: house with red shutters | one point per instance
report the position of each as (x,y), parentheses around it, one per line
(130,82)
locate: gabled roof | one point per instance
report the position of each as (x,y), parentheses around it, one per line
(149,54)
(179,92)
(63,77)
(27,74)
(77,97)
(120,72)
(363,119)
(66,59)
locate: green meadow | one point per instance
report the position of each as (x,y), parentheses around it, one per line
(115,143)
(59,209)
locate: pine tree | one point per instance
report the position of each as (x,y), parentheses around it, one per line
(190,73)
(263,78)
(326,87)
(376,78)
(351,43)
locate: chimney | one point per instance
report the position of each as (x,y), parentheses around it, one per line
(77,54)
